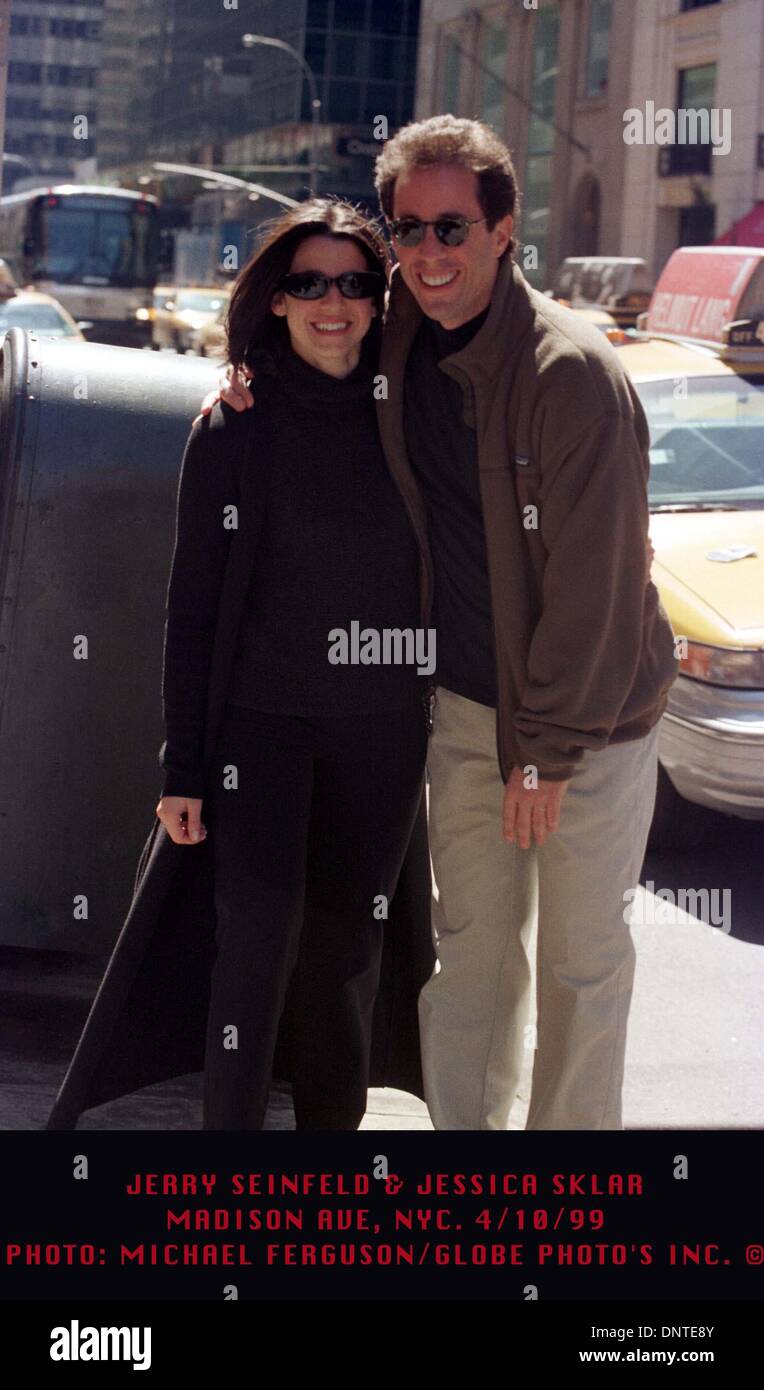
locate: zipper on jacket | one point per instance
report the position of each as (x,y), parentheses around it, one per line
(429,700)
(502,770)
(502,767)
(422,553)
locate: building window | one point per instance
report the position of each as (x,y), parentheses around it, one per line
(493,55)
(538,165)
(349,54)
(697,224)
(385,59)
(451,70)
(388,18)
(600,15)
(584,237)
(315,51)
(695,92)
(697,87)
(344,102)
(24,72)
(697,5)
(382,100)
(317,14)
(59,75)
(75,29)
(695,99)
(26,24)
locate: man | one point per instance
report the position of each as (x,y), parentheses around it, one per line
(520,448)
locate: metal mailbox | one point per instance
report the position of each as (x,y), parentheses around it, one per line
(91,440)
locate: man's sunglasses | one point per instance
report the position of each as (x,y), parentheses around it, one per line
(352,284)
(450,231)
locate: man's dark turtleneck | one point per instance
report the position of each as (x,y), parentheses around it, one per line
(442,450)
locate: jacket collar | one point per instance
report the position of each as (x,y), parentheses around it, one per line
(486,355)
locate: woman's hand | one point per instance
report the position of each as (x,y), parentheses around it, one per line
(232,388)
(181,817)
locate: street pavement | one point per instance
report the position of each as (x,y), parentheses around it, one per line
(695,1047)
(695,1051)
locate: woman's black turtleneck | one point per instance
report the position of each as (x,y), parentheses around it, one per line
(336,548)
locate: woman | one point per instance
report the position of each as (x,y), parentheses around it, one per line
(318,767)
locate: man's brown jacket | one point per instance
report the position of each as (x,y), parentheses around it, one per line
(584,648)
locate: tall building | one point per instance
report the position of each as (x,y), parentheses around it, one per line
(50,114)
(130,46)
(557,79)
(194,91)
(707,57)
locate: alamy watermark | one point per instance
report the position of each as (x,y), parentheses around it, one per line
(664,908)
(76,1343)
(687,126)
(388,646)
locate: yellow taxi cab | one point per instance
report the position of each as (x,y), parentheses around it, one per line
(40,313)
(8,286)
(211,338)
(600,318)
(180,311)
(697,362)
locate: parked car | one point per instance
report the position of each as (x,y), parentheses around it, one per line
(619,286)
(8,286)
(41,313)
(210,339)
(599,317)
(178,312)
(703,393)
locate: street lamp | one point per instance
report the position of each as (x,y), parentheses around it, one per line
(249,41)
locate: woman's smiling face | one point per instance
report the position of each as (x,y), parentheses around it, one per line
(327,332)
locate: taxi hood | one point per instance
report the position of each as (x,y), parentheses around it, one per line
(729,593)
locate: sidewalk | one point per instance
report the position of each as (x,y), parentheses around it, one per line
(695,1052)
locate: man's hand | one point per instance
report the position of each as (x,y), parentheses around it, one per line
(181,816)
(232,388)
(529,812)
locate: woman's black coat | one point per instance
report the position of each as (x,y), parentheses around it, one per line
(148,1020)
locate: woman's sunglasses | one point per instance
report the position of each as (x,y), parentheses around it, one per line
(352,284)
(450,231)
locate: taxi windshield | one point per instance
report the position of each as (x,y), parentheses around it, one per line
(706,441)
(41,318)
(206,302)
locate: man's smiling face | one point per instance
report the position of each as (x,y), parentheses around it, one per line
(450,283)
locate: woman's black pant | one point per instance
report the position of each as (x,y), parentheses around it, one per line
(307,848)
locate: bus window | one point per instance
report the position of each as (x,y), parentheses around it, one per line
(93,246)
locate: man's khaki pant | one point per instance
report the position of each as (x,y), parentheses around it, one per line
(475,1010)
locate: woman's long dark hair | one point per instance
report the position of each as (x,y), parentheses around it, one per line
(254,332)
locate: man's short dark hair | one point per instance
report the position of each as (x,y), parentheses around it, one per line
(451,140)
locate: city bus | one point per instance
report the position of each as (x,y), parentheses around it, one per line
(94,248)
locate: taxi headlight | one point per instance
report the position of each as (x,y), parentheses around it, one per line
(723,665)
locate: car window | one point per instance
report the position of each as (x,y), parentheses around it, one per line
(706,440)
(43,318)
